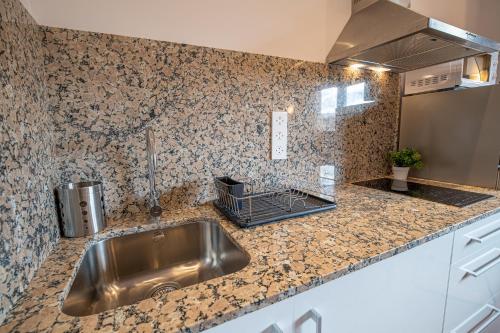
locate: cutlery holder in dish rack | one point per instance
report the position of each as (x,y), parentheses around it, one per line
(247,203)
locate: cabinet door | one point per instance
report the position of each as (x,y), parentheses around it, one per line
(275,318)
(404,293)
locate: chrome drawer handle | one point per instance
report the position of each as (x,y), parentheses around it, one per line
(483,263)
(485,317)
(311,314)
(482,234)
(274,328)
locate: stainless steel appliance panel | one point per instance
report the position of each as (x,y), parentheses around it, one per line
(458,133)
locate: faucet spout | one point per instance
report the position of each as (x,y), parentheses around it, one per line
(154,206)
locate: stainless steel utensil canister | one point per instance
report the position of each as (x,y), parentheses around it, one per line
(81,208)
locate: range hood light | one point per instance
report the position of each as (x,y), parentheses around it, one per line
(357,66)
(380,69)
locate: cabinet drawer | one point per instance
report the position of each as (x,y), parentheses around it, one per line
(476,237)
(484,320)
(473,282)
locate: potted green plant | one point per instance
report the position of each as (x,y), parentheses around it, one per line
(403,160)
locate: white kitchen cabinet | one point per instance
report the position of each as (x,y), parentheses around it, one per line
(476,237)
(404,293)
(485,319)
(261,321)
(450,284)
(474,283)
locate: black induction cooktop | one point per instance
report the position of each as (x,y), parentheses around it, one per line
(443,195)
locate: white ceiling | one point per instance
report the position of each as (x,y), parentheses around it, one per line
(298,29)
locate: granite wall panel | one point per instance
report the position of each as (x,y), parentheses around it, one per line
(74,105)
(211,111)
(28,223)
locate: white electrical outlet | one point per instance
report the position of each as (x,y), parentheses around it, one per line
(279,136)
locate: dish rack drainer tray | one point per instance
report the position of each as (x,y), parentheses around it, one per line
(273,204)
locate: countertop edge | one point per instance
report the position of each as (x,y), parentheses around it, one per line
(338,274)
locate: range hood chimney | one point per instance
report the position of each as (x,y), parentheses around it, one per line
(386,34)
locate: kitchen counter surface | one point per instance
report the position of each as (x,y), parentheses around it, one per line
(287,258)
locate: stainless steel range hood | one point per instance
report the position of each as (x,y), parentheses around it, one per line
(382,33)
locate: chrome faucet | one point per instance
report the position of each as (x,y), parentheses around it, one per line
(154,206)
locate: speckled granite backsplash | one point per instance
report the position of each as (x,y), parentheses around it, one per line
(211,113)
(74,105)
(28,225)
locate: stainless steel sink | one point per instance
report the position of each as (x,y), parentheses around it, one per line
(127,269)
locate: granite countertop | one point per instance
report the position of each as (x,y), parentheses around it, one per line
(287,258)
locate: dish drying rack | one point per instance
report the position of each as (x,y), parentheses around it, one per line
(250,206)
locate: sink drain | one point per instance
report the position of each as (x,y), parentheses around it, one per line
(163,289)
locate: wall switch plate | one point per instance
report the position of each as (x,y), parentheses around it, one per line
(279,139)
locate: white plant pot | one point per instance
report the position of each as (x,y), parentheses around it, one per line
(400,173)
